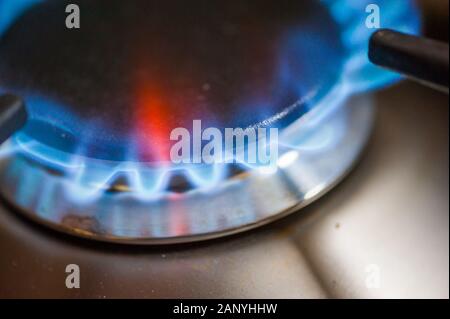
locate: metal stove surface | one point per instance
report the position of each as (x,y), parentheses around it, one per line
(391,212)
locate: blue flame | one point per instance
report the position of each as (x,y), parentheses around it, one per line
(88,179)
(11,10)
(400,15)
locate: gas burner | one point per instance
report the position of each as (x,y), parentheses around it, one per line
(92,160)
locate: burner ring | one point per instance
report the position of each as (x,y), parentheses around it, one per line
(243,202)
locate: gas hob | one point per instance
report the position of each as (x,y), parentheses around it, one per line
(380,157)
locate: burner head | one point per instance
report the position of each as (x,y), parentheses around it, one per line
(115,88)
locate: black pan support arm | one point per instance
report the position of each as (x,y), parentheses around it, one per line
(418,58)
(13,116)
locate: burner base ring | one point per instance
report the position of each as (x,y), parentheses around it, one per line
(236,205)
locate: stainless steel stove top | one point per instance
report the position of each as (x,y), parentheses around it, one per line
(389,218)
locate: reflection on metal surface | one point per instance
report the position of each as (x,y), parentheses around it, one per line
(391,211)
